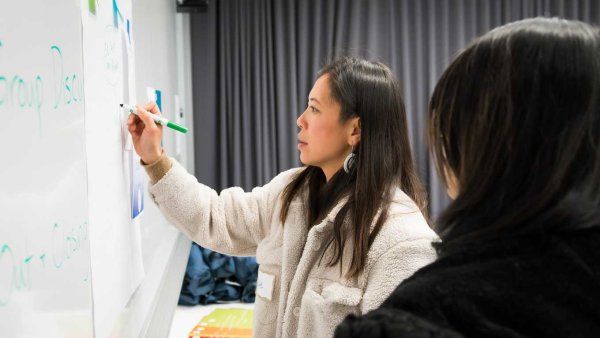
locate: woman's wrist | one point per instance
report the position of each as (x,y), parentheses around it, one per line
(158,169)
(150,160)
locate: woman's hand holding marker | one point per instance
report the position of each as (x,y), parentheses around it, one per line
(146,134)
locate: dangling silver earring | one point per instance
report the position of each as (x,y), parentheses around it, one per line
(349,161)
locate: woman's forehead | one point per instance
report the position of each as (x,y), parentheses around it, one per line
(321,92)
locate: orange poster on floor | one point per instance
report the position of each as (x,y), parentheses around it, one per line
(233,323)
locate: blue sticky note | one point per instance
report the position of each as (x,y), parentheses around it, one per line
(158,100)
(129,30)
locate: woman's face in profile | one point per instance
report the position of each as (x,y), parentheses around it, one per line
(323,141)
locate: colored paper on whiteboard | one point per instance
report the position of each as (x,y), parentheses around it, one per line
(159,100)
(117,16)
(92,6)
(137,185)
(151,94)
(154,95)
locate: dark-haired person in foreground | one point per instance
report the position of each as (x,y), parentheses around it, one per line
(515,129)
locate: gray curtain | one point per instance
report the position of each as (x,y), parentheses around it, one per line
(254,62)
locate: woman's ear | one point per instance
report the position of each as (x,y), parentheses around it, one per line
(354,127)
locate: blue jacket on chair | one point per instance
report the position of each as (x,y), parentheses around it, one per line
(211,277)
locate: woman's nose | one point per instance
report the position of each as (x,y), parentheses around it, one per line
(300,121)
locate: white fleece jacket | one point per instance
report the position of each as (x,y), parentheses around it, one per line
(296,296)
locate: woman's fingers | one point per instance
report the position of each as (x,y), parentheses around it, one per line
(146,118)
(134,124)
(152,108)
(131,123)
(131,127)
(131,119)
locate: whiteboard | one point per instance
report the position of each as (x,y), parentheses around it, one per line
(116,258)
(44,230)
(70,247)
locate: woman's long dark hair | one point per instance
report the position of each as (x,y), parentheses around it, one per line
(516,119)
(370,91)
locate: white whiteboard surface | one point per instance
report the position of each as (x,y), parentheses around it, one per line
(69,250)
(44,244)
(116,258)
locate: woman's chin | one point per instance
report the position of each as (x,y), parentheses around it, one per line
(305,161)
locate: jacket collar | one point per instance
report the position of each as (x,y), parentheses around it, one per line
(401,204)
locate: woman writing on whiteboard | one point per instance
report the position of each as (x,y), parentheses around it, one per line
(332,238)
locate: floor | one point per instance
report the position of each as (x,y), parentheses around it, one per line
(186,317)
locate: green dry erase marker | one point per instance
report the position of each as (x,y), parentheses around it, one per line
(159,120)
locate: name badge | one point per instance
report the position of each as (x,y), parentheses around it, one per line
(264,285)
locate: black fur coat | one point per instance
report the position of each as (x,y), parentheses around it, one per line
(528,286)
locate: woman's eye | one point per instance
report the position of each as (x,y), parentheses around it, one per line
(313,109)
